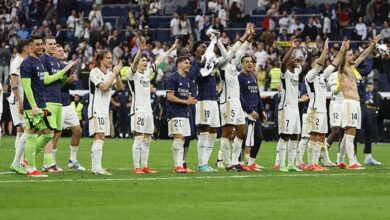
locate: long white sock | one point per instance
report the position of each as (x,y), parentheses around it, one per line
(301,150)
(220,154)
(19,150)
(341,154)
(282,145)
(177,152)
(137,144)
(54,153)
(311,147)
(349,148)
(325,154)
(292,150)
(201,147)
(18,135)
(237,146)
(96,154)
(73,153)
(209,147)
(145,149)
(225,149)
(318,151)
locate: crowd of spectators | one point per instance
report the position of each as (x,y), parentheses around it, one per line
(82,33)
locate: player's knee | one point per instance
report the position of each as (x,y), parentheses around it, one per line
(76,131)
(285,137)
(294,137)
(100,137)
(336,130)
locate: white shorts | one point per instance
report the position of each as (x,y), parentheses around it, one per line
(69,117)
(351,114)
(207,113)
(17,118)
(317,121)
(305,131)
(179,126)
(142,123)
(289,121)
(335,114)
(232,113)
(99,125)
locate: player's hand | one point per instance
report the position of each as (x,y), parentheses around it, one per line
(347,45)
(35,111)
(176,45)
(70,66)
(254,115)
(264,116)
(252,29)
(304,98)
(309,48)
(377,39)
(143,45)
(295,43)
(118,67)
(72,78)
(191,101)
(343,45)
(326,47)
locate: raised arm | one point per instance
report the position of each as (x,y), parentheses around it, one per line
(119,84)
(137,58)
(48,79)
(342,59)
(287,56)
(165,55)
(367,51)
(319,64)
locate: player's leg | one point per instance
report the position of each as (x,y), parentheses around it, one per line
(201,116)
(99,128)
(74,148)
(254,150)
(302,145)
(176,130)
(368,128)
(292,150)
(237,144)
(282,148)
(334,135)
(20,144)
(49,164)
(148,130)
(227,131)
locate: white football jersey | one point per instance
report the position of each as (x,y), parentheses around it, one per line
(99,101)
(334,86)
(15,70)
(290,92)
(316,88)
(139,84)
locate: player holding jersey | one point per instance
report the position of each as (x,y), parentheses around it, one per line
(69,116)
(288,121)
(34,77)
(178,110)
(101,80)
(141,110)
(16,105)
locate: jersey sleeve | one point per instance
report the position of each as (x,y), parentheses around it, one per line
(150,69)
(25,70)
(171,84)
(14,68)
(95,78)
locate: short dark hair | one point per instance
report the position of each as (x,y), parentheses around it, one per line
(35,37)
(246,56)
(183,51)
(21,45)
(182,58)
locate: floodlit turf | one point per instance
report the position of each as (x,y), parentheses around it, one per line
(337,194)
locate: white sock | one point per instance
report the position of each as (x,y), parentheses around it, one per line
(54,153)
(292,149)
(137,144)
(177,152)
(201,146)
(96,154)
(237,146)
(220,156)
(318,151)
(225,151)
(367,156)
(311,146)
(209,147)
(282,145)
(145,149)
(18,135)
(251,160)
(19,149)
(73,153)
(301,150)
(341,154)
(349,148)
(325,154)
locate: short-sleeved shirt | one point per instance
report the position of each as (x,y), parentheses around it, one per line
(15,70)
(290,92)
(139,84)
(53,90)
(181,87)
(65,94)
(99,100)
(33,69)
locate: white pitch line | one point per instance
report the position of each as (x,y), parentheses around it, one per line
(184,178)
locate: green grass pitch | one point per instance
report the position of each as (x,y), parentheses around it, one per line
(337,194)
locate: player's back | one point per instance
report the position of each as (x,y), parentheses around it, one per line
(231,84)
(317,93)
(290,91)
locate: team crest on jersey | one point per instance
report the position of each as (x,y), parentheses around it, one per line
(145,83)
